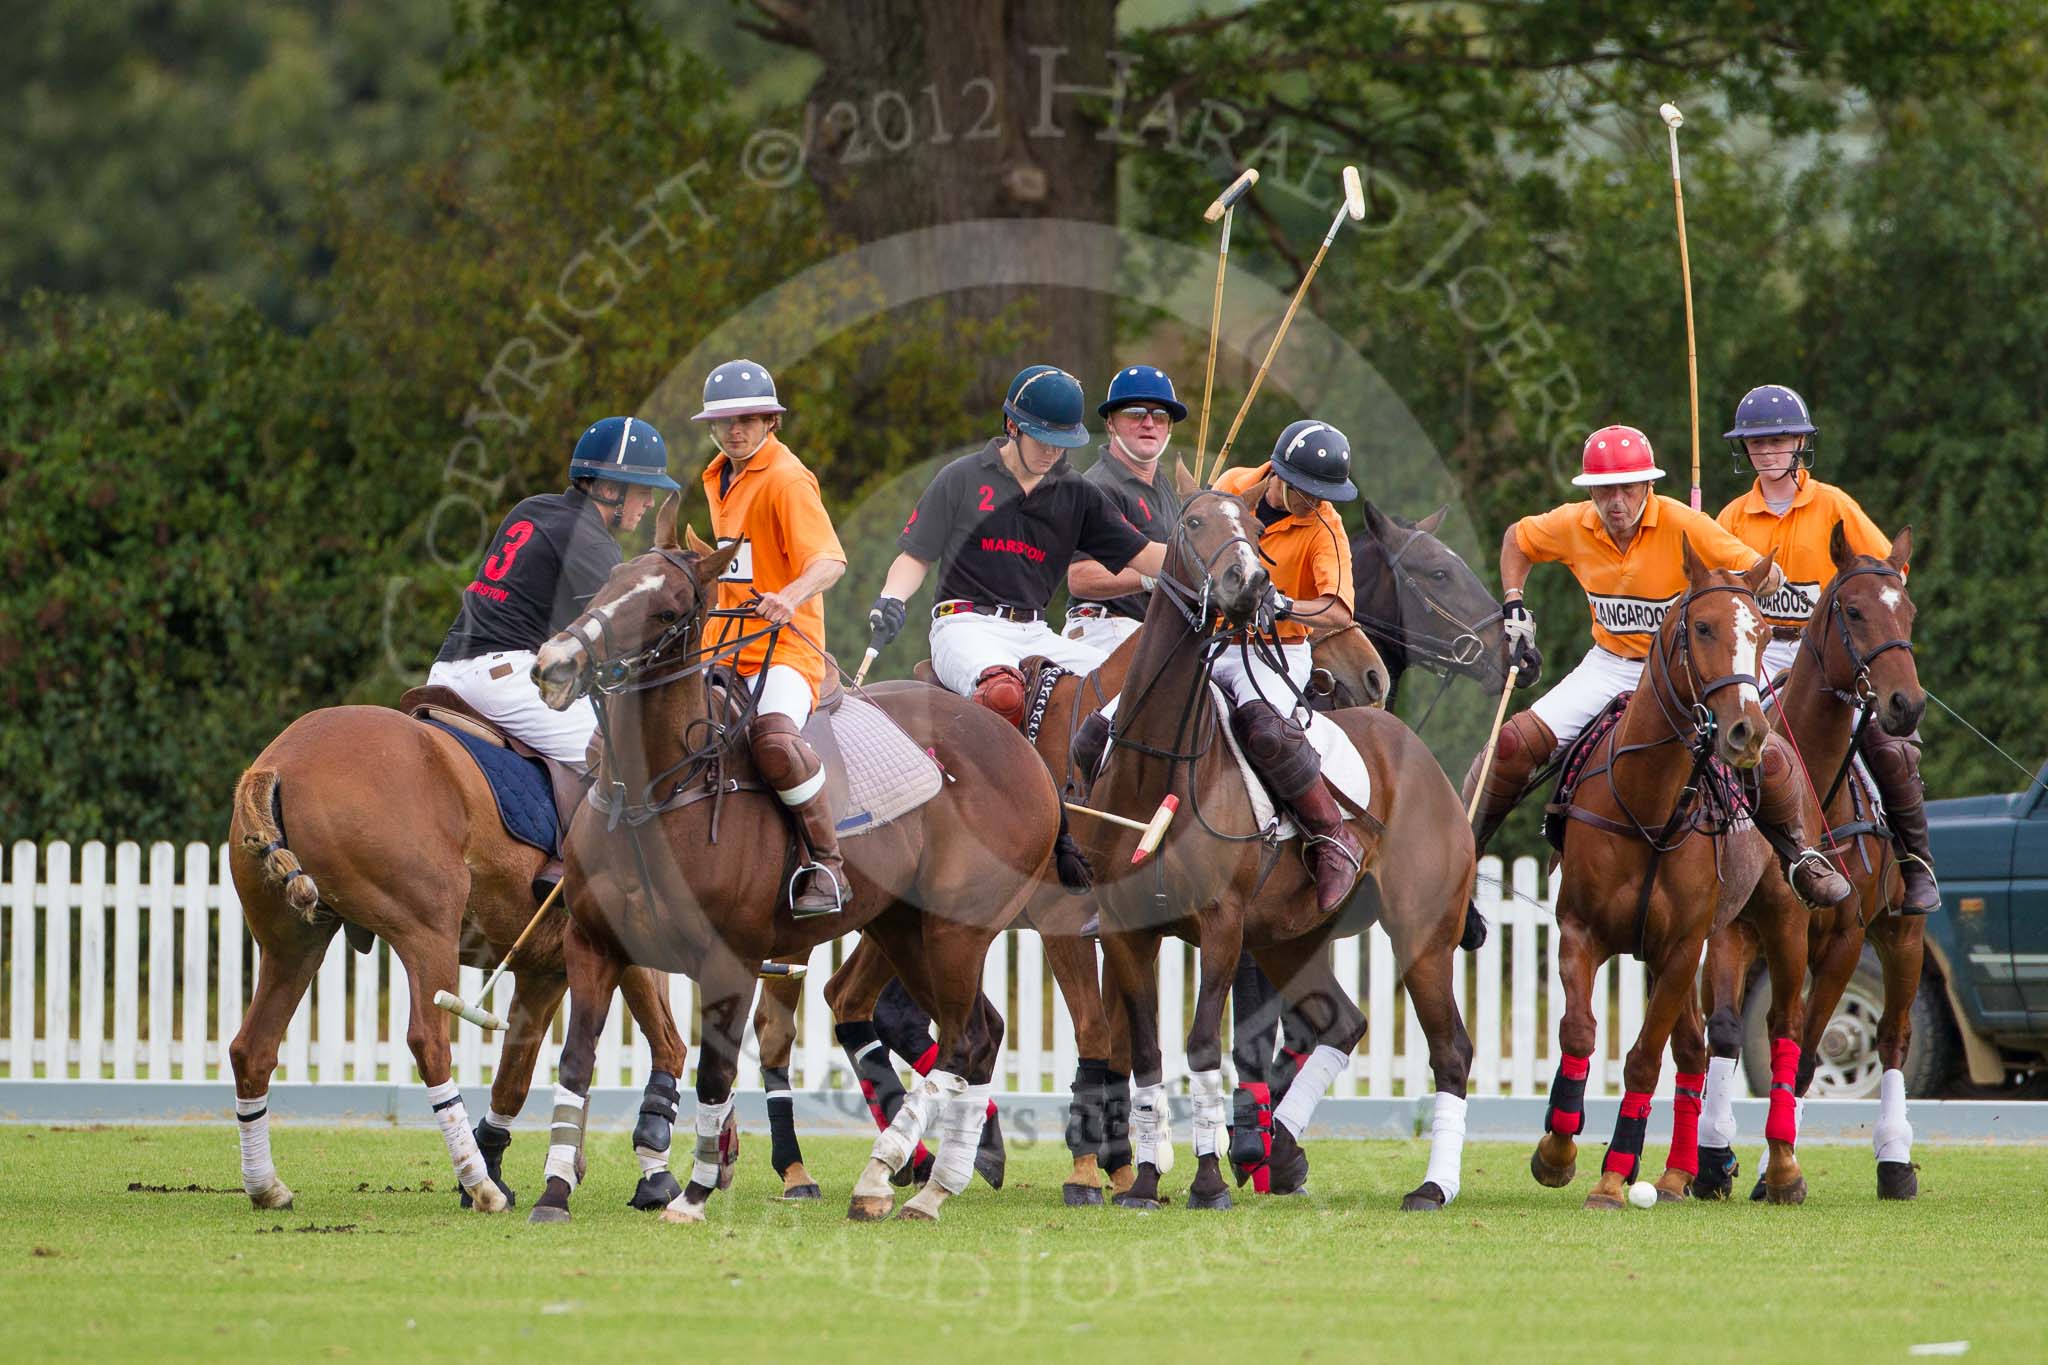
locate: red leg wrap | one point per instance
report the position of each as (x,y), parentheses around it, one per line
(1685,1123)
(1782,1124)
(1568,1095)
(1625,1153)
(923,1065)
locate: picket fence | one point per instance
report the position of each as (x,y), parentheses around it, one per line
(143,974)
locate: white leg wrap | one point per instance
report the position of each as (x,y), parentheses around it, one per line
(922,1104)
(1893,1135)
(650,1160)
(960,1123)
(454,1119)
(1446,1143)
(1150,1139)
(710,1123)
(498,1120)
(1717,1106)
(259,1173)
(1311,1083)
(565,1136)
(1211,1113)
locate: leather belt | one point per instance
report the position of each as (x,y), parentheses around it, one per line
(959,605)
(1088,611)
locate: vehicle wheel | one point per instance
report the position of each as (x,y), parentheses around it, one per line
(1849,1066)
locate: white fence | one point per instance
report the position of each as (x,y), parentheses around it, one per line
(142,972)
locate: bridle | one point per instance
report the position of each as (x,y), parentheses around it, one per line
(1860,694)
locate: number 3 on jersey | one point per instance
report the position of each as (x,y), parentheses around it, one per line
(516,536)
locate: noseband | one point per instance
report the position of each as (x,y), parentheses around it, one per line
(1860,662)
(1437,653)
(1665,689)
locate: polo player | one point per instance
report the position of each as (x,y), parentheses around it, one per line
(1002,524)
(763,498)
(1625,546)
(549,557)
(1107,608)
(1790,512)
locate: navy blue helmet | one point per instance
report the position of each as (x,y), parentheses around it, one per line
(1315,457)
(1772,410)
(738,388)
(623,450)
(1046,404)
(1142,386)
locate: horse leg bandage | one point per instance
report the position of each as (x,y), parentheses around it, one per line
(1631,1126)
(1568,1095)
(1717,1111)
(1892,1137)
(1446,1143)
(1685,1123)
(870,1061)
(454,1120)
(1211,1113)
(565,1135)
(1086,1125)
(1311,1083)
(259,1172)
(1251,1123)
(783,1151)
(1781,1124)
(960,1122)
(1149,1136)
(654,1134)
(710,1127)
(921,1108)
(1116,1120)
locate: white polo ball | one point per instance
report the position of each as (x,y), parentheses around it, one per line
(1643,1195)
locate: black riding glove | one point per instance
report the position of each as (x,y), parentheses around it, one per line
(885,619)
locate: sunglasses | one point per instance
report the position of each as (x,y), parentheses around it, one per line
(1147,414)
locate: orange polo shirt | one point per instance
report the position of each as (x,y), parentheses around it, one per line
(774,511)
(1629,592)
(1801,539)
(1310,554)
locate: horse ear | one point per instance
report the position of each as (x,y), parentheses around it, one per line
(1695,571)
(712,564)
(1183,482)
(1375,521)
(665,522)
(1902,548)
(1838,547)
(694,543)
(1435,519)
(1759,573)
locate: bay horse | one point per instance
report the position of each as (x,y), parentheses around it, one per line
(1855,665)
(394,833)
(694,885)
(1219,880)
(1645,873)
(1423,607)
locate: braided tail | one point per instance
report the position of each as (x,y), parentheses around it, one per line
(261,814)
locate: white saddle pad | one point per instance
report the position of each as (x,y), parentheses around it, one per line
(887,774)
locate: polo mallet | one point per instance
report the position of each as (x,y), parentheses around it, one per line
(867,660)
(1224,207)
(477,1014)
(1492,737)
(1353,208)
(1150,831)
(768,971)
(1672,121)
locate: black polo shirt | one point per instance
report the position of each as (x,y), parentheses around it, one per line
(1154,508)
(548,559)
(996,545)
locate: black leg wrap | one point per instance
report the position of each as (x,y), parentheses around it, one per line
(1247,1141)
(1568,1100)
(783,1151)
(658,1109)
(1718,1169)
(1254,1020)
(1629,1135)
(1724,1033)
(1116,1121)
(491,1142)
(1085,1119)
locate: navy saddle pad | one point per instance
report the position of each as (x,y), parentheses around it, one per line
(526,803)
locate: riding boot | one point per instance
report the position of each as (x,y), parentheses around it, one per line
(1525,745)
(787,764)
(1091,737)
(1279,750)
(1778,815)
(1895,764)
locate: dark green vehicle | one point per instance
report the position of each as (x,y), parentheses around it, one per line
(1981,1017)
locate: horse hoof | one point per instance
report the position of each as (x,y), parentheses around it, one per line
(1604,1202)
(1218,1200)
(1674,1186)
(547,1213)
(656,1191)
(869,1208)
(1553,1177)
(1137,1203)
(797,1194)
(1081,1196)
(911,1213)
(1756,1191)
(511,1199)
(1665,1196)
(1424,1198)
(1123,1177)
(1897,1180)
(1286,1164)
(487,1198)
(1793,1193)
(683,1212)
(274,1196)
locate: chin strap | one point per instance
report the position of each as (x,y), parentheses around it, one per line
(1132,455)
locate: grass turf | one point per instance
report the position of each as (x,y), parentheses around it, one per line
(376,1262)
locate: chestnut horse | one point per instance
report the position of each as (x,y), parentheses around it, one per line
(1855,664)
(1652,864)
(696,885)
(1220,882)
(394,833)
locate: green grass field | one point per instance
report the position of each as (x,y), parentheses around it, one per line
(376,1262)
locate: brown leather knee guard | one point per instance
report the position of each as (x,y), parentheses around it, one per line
(1525,744)
(1777,794)
(1278,749)
(783,759)
(1001,689)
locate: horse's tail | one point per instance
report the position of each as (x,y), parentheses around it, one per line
(1075,875)
(1475,930)
(261,813)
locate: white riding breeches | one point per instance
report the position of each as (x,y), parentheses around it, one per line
(1601,676)
(500,687)
(967,643)
(784,692)
(1245,676)
(1101,632)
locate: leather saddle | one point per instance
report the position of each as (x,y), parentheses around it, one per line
(443,705)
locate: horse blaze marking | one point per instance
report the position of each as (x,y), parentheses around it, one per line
(1890,597)
(1749,627)
(647,584)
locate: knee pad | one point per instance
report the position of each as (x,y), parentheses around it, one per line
(1001,689)
(1526,739)
(1277,748)
(784,761)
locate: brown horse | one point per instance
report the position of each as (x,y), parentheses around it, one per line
(1219,880)
(685,885)
(1644,870)
(1855,664)
(394,833)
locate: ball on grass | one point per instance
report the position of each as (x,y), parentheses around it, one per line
(1643,1195)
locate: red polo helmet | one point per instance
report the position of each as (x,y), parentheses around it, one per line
(1617,455)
